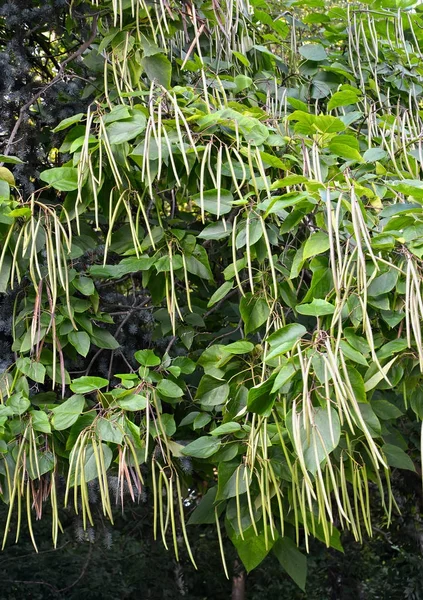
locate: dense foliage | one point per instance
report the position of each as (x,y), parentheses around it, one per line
(216,296)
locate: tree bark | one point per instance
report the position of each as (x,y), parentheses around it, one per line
(238,582)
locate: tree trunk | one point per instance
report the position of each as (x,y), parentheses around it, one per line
(238,582)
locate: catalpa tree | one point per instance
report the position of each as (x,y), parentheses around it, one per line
(214,291)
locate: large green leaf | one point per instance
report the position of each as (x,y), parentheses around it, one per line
(251,548)
(80,340)
(67,413)
(86,384)
(169,389)
(316,244)
(284,339)
(65,123)
(320,438)
(396,457)
(314,52)
(343,98)
(216,202)
(292,560)
(203,447)
(260,399)
(158,68)
(103,339)
(119,132)
(212,391)
(64,179)
(32,369)
(147,358)
(317,308)
(254,312)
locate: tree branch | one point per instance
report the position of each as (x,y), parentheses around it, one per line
(57,78)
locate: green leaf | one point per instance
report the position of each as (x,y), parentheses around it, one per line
(212,391)
(370,419)
(127,265)
(417,403)
(85,285)
(316,244)
(119,132)
(352,354)
(391,348)
(242,82)
(383,283)
(254,312)
(226,428)
(328,124)
(198,264)
(220,293)
(397,458)
(241,347)
(211,201)
(5,273)
(386,410)
(375,154)
(17,403)
(203,447)
(216,231)
(356,341)
(5,195)
(103,339)
(168,389)
(314,52)
(12,160)
(317,308)
(109,431)
(297,104)
(260,400)
(184,363)
(34,370)
(68,122)
(343,98)
(284,339)
(64,179)
(357,384)
(40,421)
(147,358)
(158,68)
(228,473)
(80,340)
(292,560)
(283,376)
(67,413)
(253,228)
(133,403)
(372,382)
(251,548)
(118,113)
(201,420)
(243,60)
(87,384)
(320,439)
(340,148)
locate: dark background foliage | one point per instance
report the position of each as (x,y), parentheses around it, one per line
(124,563)
(35,37)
